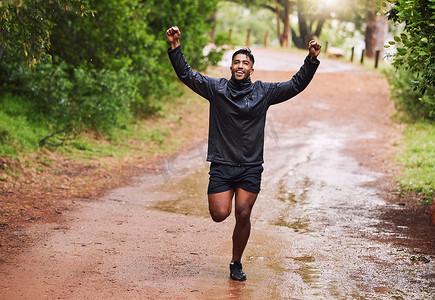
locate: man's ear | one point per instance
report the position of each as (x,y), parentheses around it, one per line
(252,71)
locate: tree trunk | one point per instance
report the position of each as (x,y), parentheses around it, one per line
(319,27)
(212,20)
(284,16)
(376,33)
(304,31)
(278,21)
(287,27)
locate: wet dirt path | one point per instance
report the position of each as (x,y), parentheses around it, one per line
(317,230)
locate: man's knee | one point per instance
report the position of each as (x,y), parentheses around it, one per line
(219,215)
(243,213)
(220,205)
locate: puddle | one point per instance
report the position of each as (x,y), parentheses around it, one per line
(315,201)
(313,224)
(300,225)
(188,195)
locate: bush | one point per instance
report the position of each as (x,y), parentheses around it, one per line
(25,26)
(19,129)
(116,40)
(191,17)
(95,64)
(87,98)
(408,99)
(416,44)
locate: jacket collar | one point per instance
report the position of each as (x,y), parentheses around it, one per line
(238,89)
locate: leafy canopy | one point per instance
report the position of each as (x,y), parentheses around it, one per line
(416,44)
(26,25)
(95,64)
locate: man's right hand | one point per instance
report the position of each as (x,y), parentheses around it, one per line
(173,35)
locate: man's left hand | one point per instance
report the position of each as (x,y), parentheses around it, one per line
(314,49)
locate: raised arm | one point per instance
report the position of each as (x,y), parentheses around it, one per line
(202,85)
(282,91)
(173,35)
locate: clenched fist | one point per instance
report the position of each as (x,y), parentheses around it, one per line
(314,49)
(173,35)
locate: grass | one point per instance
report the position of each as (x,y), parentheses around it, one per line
(418,159)
(17,133)
(163,133)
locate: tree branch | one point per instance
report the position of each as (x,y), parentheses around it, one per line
(58,138)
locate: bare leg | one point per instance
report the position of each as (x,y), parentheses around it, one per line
(220,205)
(243,206)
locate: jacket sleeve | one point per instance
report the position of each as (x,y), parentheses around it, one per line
(202,85)
(282,91)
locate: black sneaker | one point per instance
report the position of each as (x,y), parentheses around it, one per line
(236,272)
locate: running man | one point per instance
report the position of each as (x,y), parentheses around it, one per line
(236,132)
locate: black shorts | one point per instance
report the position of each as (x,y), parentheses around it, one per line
(226,177)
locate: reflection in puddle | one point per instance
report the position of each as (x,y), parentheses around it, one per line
(317,202)
(311,226)
(296,197)
(298,194)
(188,195)
(300,225)
(307,269)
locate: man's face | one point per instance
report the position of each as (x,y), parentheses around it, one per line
(241,67)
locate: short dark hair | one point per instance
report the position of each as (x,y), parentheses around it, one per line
(245,51)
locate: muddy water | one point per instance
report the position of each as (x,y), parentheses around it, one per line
(319,197)
(315,223)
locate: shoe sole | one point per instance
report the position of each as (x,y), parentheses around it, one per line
(237,279)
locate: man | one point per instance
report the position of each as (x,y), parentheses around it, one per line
(236,133)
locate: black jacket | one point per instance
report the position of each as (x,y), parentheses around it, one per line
(238,110)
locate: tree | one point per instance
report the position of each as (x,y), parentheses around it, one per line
(416,45)
(95,72)
(282,10)
(191,16)
(374,26)
(311,18)
(25,25)
(415,52)
(376,32)
(312,15)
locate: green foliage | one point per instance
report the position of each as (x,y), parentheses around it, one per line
(119,44)
(84,99)
(414,91)
(416,45)
(337,21)
(94,63)
(408,100)
(418,157)
(192,17)
(19,132)
(25,25)
(240,19)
